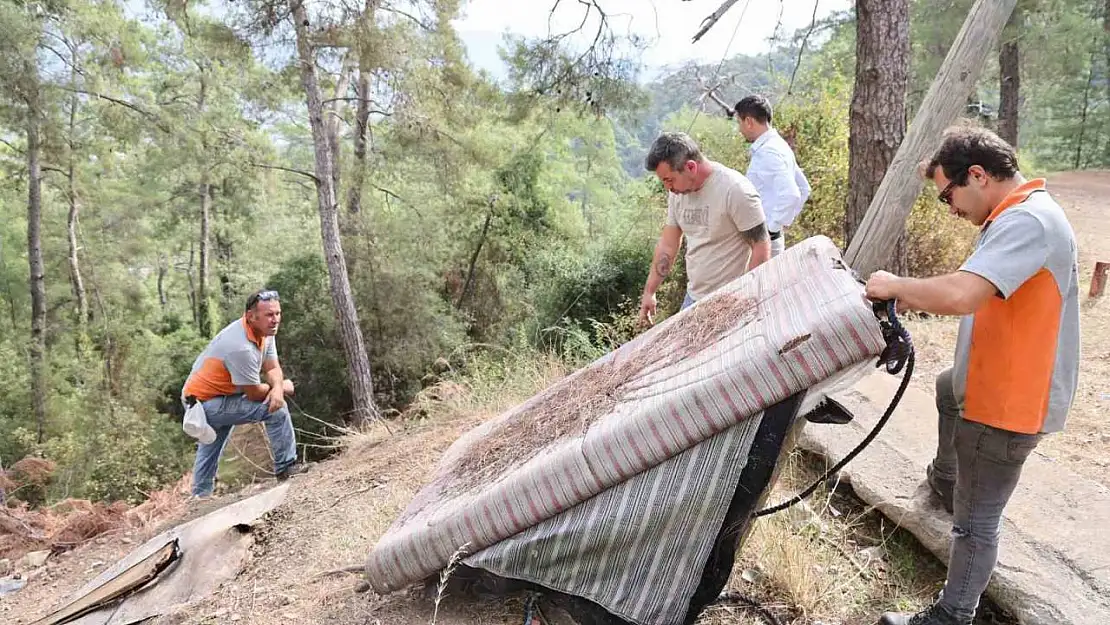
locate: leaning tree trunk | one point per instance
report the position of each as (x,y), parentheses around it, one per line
(878,110)
(885,220)
(34,259)
(1009,87)
(354,348)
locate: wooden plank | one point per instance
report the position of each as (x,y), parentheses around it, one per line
(127,582)
(885,220)
(1098,279)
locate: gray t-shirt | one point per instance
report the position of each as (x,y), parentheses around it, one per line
(232,360)
(712,219)
(1017,357)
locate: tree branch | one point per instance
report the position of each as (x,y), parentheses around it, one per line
(399,199)
(13,148)
(712,20)
(412,17)
(288,169)
(802,48)
(124,103)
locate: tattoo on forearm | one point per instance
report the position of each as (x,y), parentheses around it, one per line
(756,234)
(663,265)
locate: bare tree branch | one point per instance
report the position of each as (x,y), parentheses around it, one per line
(124,103)
(715,17)
(288,169)
(13,147)
(802,48)
(64,60)
(710,91)
(419,22)
(399,199)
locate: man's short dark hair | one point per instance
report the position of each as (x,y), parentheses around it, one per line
(964,146)
(754,106)
(674,149)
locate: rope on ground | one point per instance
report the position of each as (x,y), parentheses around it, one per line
(749,603)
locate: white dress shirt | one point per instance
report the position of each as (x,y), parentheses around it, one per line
(782,185)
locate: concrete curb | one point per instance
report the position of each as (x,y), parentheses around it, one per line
(1054,560)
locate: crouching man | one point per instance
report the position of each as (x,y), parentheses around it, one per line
(1017,353)
(227,379)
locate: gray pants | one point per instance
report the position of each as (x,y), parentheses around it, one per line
(985,463)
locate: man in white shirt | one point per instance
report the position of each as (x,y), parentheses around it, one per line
(773,170)
(715,208)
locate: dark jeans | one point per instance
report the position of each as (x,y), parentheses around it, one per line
(985,463)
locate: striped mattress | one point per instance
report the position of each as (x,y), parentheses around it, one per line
(625,511)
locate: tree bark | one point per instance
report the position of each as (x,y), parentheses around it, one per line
(362,125)
(192,283)
(474,258)
(162,281)
(204,191)
(885,220)
(350,334)
(34,257)
(1078,164)
(332,120)
(71,232)
(203,323)
(1009,87)
(8,290)
(1106,51)
(878,109)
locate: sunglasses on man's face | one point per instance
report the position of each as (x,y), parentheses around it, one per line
(946,194)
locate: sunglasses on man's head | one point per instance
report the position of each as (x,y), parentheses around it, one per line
(262,296)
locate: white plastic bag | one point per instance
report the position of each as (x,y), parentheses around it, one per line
(196,424)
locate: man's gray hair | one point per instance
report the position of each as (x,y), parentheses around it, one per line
(674,149)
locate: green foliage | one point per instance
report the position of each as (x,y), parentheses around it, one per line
(513,221)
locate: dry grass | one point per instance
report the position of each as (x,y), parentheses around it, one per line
(830,560)
(73,522)
(568,408)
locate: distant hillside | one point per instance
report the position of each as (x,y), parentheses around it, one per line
(739,76)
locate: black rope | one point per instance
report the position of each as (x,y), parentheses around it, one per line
(530,610)
(749,603)
(898,355)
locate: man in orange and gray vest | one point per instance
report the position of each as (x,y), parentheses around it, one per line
(227,380)
(1017,353)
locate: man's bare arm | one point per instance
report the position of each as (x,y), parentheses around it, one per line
(760,242)
(257,392)
(274,375)
(957,293)
(662,264)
